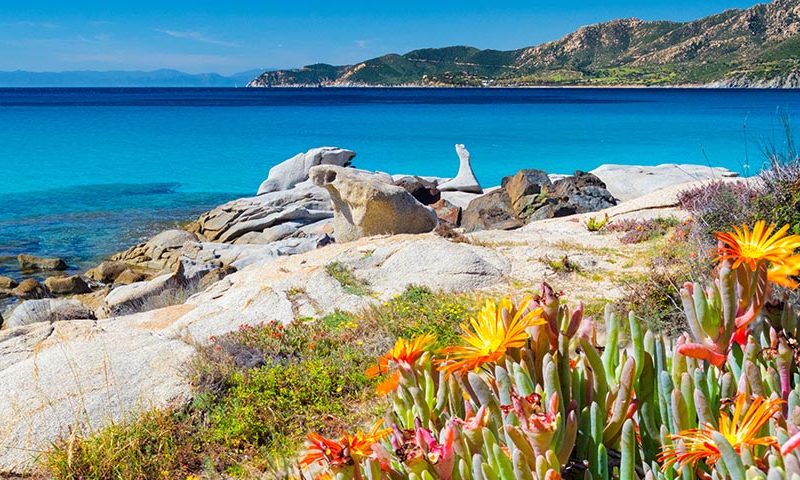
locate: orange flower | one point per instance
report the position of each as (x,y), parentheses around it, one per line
(349,449)
(740,430)
(404,354)
(744,247)
(499,327)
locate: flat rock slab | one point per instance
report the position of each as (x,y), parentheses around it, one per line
(627,182)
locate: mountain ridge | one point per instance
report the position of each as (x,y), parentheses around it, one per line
(758,46)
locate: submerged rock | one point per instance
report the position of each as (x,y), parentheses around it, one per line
(47,310)
(72,285)
(364,205)
(33,263)
(465,180)
(289,173)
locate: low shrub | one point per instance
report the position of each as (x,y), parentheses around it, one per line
(158,444)
(638,231)
(258,391)
(349,282)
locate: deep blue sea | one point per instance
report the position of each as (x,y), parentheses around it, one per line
(86,172)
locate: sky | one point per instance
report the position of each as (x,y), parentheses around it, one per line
(228,36)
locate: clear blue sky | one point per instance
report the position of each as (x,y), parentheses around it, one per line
(233,35)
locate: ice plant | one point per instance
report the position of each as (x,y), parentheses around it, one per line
(744,247)
(740,430)
(403,354)
(499,326)
(348,450)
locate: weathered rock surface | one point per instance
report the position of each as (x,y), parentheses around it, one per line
(47,310)
(424,191)
(465,180)
(106,272)
(32,263)
(136,296)
(161,252)
(289,173)
(129,276)
(7,282)
(365,205)
(447,212)
(84,371)
(585,192)
(626,182)
(526,182)
(490,211)
(71,285)
(303,205)
(29,288)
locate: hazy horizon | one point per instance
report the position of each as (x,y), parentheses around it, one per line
(210,37)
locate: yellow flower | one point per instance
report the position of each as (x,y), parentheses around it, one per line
(744,247)
(740,430)
(499,327)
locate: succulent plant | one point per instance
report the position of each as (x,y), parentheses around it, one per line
(532,395)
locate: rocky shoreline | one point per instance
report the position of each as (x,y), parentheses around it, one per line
(141,313)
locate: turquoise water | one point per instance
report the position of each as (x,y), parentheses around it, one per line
(86,172)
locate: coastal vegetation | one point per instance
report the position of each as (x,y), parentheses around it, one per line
(753,47)
(523,389)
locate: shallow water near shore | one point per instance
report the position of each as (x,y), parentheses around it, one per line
(86,172)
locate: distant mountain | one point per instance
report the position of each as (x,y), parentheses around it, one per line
(759,46)
(123,78)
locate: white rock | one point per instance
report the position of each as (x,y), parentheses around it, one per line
(289,173)
(47,310)
(137,296)
(80,374)
(626,182)
(465,180)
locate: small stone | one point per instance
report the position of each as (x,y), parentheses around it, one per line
(28,289)
(32,263)
(72,285)
(107,271)
(447,212)
(129,276)
(7,282)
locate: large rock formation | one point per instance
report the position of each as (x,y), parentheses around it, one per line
(465,180)
(266,218)
(364,205)
(289,173)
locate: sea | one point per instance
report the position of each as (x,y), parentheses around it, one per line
(88,172)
